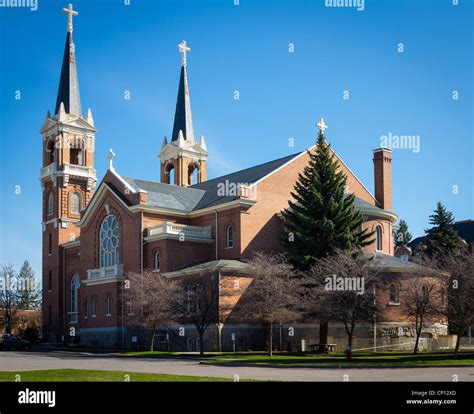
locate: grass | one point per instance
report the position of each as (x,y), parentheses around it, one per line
(334,359)
(358,359)
(81,375)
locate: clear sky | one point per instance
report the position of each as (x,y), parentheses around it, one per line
(246,47)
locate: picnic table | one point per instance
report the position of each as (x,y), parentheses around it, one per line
(327,347)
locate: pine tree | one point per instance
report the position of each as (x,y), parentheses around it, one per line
(323,217)
(441,239)
(28,287)
(402,236)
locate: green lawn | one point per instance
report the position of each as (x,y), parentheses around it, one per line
(294,358)
(358,359)
(79,375)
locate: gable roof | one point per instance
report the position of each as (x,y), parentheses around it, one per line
(167,196)
(204,195)
(247,176)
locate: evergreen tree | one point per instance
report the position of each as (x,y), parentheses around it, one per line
(323,217)
(441,239)
(402,236)
(28,287)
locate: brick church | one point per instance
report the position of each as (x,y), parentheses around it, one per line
(95,232)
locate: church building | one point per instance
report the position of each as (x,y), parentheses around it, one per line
(94,232)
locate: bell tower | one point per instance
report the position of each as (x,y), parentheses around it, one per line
(183,160)
(67,179)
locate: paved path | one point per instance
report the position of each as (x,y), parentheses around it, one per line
(23,361)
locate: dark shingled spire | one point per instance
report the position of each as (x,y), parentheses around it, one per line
(68,92)
(183,120)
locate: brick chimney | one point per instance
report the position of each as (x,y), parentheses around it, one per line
(383,177)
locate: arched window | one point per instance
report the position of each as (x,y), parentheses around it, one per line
(229,237)
(75,284)
(130,307)
(76,151)
(378,238)
(425,293)
(50,204)
(169,173)
(108,303)
(394,294)
(76,203)
(193,173)
(50,149)
(109,242)
(156,261)
(94,306)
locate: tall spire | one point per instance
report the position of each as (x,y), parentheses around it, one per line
(183,120)
(68,91)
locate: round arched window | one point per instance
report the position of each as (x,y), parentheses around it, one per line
(156,264)
(109,242)
(75,285)
(378,238)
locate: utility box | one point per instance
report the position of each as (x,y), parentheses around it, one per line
(446,341)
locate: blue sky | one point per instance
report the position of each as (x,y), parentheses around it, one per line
(282,95)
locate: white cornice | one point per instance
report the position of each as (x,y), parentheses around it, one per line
(76,124)
(117,175)
(381,213)
(177,237)
(196,213)
(74,243)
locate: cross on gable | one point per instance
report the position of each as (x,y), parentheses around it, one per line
(110,157)
(321,125)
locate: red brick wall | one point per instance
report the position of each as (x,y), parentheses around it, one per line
(261,227)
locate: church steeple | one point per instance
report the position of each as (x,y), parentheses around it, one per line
(183,160)
(68,91)
(183,120)
(67,179)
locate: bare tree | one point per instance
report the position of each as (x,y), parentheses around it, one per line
(197,302)
(149,297)
(274,295)
(424,298)
(343,289)
(9,297)
(459,267)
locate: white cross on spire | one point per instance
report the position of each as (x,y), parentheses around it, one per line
(110,157)
(183,48)
(70,12)
(321,125)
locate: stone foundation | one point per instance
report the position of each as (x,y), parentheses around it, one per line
(246,337)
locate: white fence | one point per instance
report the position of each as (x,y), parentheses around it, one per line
(445,342)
